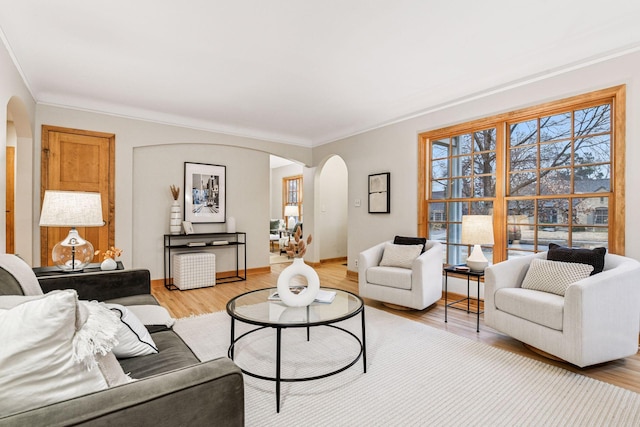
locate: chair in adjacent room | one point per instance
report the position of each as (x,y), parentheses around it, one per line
(276,228)
(583,317)
(403,273)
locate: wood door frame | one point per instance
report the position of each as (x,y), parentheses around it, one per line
(10,200)
(44,176)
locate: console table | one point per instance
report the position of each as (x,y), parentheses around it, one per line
(206,241)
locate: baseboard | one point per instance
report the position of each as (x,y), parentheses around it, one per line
(333,260)
(221,275)
(352,275)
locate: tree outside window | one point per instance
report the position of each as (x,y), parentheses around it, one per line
(544,173)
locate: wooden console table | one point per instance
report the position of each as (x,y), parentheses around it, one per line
(193,242)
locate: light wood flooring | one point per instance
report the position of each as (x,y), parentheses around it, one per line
(624,373)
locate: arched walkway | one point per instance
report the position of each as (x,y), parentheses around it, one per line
(331,208)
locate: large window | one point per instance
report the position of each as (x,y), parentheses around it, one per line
(547,174)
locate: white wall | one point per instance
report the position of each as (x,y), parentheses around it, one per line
(133,135)
(394,148)
(16,100)
(155,168)
(391,148)
(333,210)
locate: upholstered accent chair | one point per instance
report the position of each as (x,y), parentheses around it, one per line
(595,321)
(406,276)
(276,227)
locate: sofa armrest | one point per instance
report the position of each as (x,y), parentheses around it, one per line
(605,302)
(101,286)
(426,273)
(204,394)
(371,257)
(428,264)
(508,274)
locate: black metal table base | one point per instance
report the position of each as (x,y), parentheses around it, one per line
(278,377)
(447,304)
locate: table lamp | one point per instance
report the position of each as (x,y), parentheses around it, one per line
(477,230)
(291,211)
(71,209)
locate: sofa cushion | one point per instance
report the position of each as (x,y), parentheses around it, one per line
(173,353)
(554,276)
(543,308)
(44,357)
(393,277)
(142,299)
(400,255)
(593,257)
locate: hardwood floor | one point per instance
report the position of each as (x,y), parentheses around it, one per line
(624,373)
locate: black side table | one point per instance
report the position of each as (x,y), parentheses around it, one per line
(469,274)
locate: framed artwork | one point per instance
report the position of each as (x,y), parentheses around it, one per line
(379,186)
(205,192)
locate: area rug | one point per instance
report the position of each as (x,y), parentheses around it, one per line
(416,375)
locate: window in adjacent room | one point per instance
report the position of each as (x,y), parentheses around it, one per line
(292,196)
(547,174)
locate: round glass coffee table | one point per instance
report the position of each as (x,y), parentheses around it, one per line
(255,308)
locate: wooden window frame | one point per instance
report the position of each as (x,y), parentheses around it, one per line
(285,194)
(616,215)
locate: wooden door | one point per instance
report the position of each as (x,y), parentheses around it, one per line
(78,160)
(10,200)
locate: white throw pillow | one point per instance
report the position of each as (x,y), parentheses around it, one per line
(400,255)
(9,301)
(133,338)
(152,315)
(554,276)
(37,359)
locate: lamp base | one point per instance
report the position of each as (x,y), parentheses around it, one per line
(477,261)
(72,254)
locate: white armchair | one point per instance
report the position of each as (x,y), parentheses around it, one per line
(417,287)
(597,320)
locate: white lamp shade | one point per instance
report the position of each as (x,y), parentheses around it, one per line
(71,209)
(477,230)
(291,211)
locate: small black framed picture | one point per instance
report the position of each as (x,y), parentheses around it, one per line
(379,186)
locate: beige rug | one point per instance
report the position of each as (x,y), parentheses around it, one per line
(416,376)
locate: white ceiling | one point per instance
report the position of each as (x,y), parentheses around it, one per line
(300,71)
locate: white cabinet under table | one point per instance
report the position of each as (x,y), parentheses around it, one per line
(180,243)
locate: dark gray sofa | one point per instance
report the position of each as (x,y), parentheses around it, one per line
(173,389)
